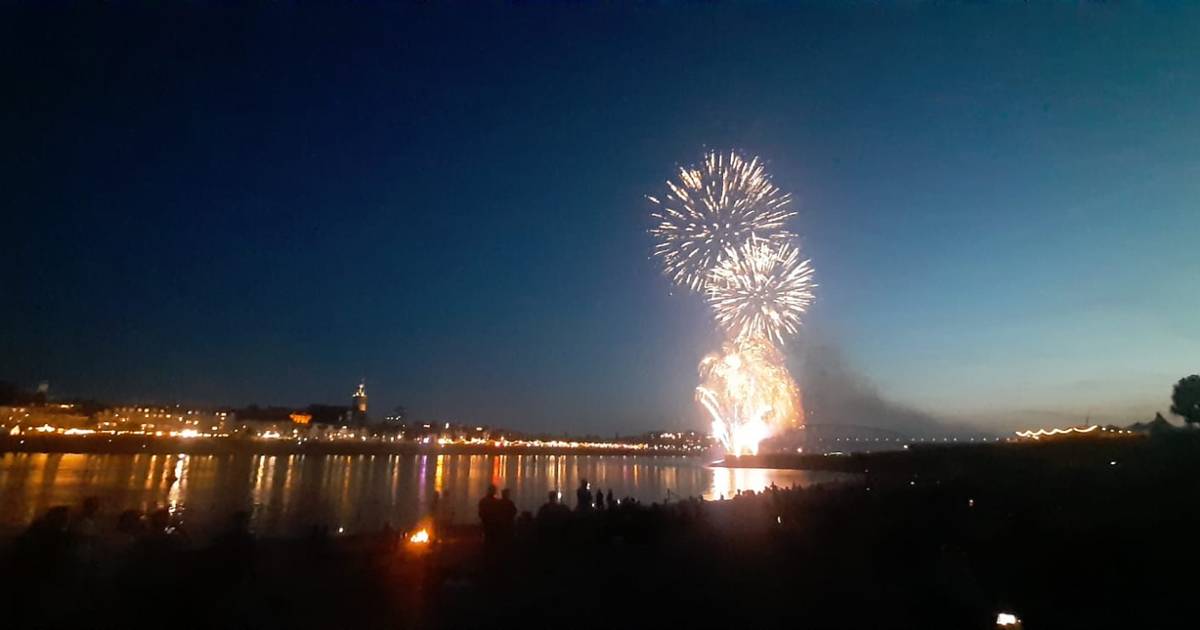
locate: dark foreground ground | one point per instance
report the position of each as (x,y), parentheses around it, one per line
(1071,534)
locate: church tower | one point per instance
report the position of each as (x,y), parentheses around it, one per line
(358,406)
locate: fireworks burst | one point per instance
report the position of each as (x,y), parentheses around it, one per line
(749,394)
(721,230)
(712,209)
(760,290)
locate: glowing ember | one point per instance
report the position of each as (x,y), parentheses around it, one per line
(419,537)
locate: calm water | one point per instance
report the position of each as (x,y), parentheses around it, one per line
(357,493)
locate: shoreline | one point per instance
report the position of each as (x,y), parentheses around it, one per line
(132,445)
(940,459)
(1053,456)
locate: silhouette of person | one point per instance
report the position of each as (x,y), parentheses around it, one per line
(129,526)
(45,545)
(552,516)
(611,503)
(488,515)
(85,523)
(551,501)
(85,531)
(599,499)
(524,526)
(161,540)
(506,511)
(234,549)
(583,497)
(44,563)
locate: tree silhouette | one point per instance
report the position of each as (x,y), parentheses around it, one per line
(1185,400)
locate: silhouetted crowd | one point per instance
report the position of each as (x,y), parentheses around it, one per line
(499,516)
(1050,533)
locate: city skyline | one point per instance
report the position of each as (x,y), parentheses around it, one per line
(1001,245)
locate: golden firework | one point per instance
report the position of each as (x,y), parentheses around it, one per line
(749,395)
(721,230)
(712,208)
(761,290)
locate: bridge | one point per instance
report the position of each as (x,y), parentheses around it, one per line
(824,438)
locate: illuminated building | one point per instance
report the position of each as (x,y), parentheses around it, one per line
(159,418)
(59,415)
(358,406)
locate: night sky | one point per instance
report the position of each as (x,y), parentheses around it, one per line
(224,207)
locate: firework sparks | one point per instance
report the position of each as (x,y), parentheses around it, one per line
(761,290)
(749,394)
(721,230)
(712,209)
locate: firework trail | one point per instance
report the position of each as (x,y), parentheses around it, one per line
(713,208)
(761,290)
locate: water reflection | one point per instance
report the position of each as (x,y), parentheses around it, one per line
(288,494)
(175,496)
(726,482)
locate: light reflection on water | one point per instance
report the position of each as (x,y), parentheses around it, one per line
(289,493)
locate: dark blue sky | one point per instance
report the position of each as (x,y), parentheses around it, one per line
(217,206)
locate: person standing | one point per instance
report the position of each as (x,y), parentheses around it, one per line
(488,512)
(583,497)
(506,511)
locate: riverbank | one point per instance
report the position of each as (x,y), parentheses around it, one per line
(1023,457)
(1048,534)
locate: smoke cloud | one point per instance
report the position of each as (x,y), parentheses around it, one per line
(835,394)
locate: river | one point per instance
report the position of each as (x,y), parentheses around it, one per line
(287,494)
